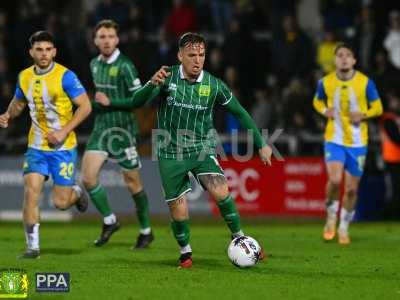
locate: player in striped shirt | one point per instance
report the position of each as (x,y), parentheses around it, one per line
(347,98)
(49,90)
(186,141)
(114,133)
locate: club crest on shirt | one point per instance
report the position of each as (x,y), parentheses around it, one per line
(172,87)
(204,90)
(113,71)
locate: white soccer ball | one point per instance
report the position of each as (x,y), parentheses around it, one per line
(244,251)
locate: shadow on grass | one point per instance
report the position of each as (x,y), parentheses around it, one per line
(60,251)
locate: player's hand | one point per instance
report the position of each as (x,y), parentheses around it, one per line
(4,120)
(56,137)
(159,77)
(265,154)
(102,99)
(330,112)
(356,117)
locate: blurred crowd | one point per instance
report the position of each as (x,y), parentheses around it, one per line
(270,52)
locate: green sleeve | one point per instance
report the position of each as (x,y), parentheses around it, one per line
(98,107)
(145,94)
(245,120)
(121,103)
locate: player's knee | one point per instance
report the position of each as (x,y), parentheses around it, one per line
(335,182)
(61,202)
(350,192)
(89,182)
(221,192)
(178,210)
(133,183)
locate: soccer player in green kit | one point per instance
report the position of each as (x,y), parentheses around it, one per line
(115,78)
(183,141)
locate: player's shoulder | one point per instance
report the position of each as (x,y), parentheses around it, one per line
(26,72)
(123,58)
(361,76)
(95,60)
(211,79)
(329,77)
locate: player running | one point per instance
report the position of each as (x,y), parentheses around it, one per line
(184,142)
(49,90)
(347,98)
(114,134)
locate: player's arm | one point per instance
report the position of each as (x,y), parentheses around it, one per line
(75,91)
(15,108)
(142,95)
(233,105)
(375,108)
(132,82)
(319,101)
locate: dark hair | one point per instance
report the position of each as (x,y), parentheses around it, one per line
(346,46)
(190,38)
(41,36)
(106,23)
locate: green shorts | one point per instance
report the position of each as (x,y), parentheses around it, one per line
(117,145)
(175,174)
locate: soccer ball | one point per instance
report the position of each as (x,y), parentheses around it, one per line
(244,251)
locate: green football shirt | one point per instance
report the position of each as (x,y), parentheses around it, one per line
(185,115)
(118,79)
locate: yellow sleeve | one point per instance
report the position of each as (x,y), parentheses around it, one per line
(319,105)
(375,109)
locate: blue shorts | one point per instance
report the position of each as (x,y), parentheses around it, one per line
(352,158)
(59,164)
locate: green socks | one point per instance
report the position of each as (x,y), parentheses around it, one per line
(228,211)
(99,198)
(181,232)
(142,209)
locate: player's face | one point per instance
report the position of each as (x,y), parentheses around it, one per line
(106,40)
(192,58)
(43,54)
(344,60)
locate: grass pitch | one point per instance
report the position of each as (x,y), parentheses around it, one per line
(299,265)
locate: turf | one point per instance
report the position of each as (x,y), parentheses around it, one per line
(300,265)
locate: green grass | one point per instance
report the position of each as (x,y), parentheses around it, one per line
(299,266)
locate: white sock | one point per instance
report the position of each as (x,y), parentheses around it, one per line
(77,189)
(111,219)
(237,234)
(145,231)
(186,249)
(345,218)
(32,236)
(332,209)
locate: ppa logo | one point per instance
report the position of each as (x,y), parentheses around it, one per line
(52,282)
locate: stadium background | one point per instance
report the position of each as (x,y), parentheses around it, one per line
(270,52)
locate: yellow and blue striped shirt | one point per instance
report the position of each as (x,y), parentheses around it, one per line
(49,99)
(359,94)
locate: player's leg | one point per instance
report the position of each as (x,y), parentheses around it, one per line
(176,183)
(91,165)
(334,159)
(347,211)
(66,193)
(36,171)
(211,176)
(33,185)
(217,186)
(354,167)
(135,186)
(180,227)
